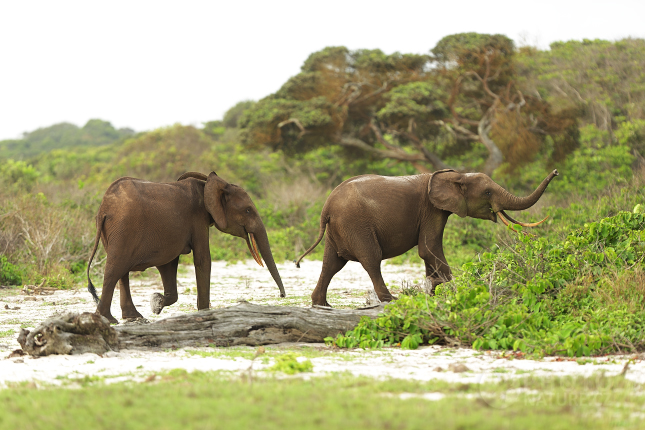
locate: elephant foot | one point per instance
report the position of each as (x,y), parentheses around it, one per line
(131,315)
(319,300)
(326,305)
(110,318)
(156,303)
(320,303)
(387,298)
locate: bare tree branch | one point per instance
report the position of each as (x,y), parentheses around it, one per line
(436,162)
(380,138)
(495,157)
(397,154)
(297,122)
(382,89)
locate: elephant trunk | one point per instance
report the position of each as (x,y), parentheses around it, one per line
(267,255)
(513,203)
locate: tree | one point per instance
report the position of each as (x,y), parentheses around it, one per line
(232,116)
(602,80)
(95,132)
(430,111)
(487,105)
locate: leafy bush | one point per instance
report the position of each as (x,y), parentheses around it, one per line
(536,295)
(9,273)
(18,175)
(288,363)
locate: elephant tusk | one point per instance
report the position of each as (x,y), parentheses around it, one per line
(505,222)
(253,247)
(524,224)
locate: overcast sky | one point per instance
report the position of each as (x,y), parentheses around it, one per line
(148,64)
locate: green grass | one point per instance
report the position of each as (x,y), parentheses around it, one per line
(181,400)
(23,324)
(7,333)
(8,292)
(270,351)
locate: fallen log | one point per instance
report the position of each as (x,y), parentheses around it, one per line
(70,334)
(243,324)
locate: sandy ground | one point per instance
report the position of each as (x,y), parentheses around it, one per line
(247,281)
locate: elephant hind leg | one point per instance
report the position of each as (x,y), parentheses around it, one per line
(370,254)
(110,278)
(128,310)
(373,269)
(332,264)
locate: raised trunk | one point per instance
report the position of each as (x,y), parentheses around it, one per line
(513,203)
(267,256)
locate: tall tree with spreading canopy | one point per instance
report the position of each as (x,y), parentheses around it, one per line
(458,107)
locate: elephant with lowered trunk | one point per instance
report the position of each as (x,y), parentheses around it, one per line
(144,224)
(371,218)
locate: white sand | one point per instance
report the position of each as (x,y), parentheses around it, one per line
(248,281)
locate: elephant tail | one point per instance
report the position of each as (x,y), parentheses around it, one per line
(90,286)
(323,225)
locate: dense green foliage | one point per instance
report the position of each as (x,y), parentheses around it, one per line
(605,80)
(9,273)
(461,107)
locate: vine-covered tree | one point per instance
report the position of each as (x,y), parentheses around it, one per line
(459,106)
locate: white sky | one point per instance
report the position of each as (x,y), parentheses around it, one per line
(148,64)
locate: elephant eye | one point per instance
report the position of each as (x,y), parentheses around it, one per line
(488,193)
(248,210)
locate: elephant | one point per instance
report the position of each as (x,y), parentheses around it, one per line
(144,224)
(370,218)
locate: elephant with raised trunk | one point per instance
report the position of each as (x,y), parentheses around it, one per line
(370,218)
(144,224)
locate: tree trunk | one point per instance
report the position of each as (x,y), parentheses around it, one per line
(244,324)
(495,156)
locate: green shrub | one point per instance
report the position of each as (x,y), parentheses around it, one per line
(536,295)
(10,274)
(288,363)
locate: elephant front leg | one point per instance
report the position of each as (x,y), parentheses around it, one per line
(168,274)
(437,269)
(202,258)
(436,275)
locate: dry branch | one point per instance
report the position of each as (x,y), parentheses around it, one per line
(244,324)
(297,122)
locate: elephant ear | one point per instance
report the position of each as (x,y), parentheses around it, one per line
(447,192)
(215,192)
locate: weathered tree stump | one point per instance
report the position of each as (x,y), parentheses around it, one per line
(70,334)
(244,324)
